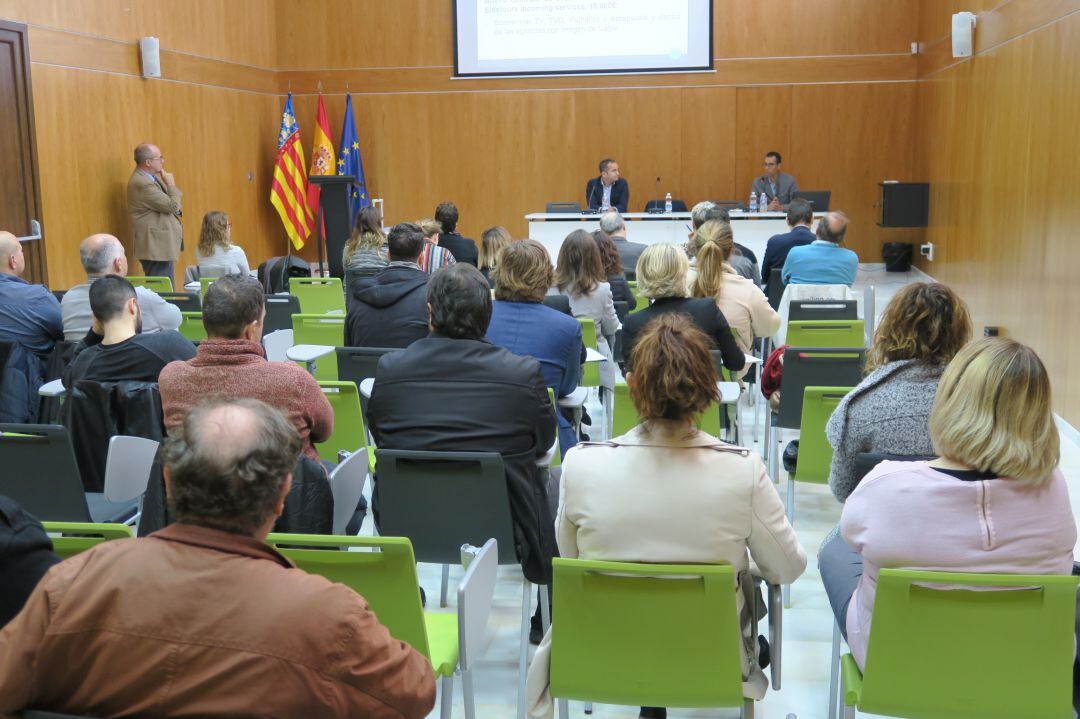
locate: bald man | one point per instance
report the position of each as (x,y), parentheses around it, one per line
(154,205)
(823,261)
(30,324)
(102,255)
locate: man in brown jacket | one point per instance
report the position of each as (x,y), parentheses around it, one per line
(203,618)
(154,204)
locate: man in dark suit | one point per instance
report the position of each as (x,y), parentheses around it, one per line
(608,190)
(613,225)
(800,216)
(455,391)
(462,248)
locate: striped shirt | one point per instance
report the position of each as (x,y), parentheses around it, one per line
(435,258)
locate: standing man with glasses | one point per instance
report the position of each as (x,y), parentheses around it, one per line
(154,204)
(779,187)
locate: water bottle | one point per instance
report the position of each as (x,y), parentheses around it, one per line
(763,203)
(752,205)
(667,203)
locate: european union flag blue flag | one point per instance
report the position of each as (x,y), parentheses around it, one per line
(349,163)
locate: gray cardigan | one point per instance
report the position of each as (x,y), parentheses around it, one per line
(889,412)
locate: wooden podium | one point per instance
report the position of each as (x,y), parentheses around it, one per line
(334,203)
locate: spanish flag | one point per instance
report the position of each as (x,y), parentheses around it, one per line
(322,156)
(288,192)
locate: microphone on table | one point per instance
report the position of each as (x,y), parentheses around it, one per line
(589,210)
(657,208)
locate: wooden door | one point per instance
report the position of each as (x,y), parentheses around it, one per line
(20,194)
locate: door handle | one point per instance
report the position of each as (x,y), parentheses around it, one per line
(35,229)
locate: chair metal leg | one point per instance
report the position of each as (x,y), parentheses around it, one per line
(467,693)
(545,608)
(757,411)
(747,709)
(776,637)
(523,655)
(846,711)
(564,709)
(447,703)
(445,584)
(834,671)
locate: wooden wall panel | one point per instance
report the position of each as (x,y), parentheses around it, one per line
(762,124)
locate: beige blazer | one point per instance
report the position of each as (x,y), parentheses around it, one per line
(668,497)
(157,232)
(747,310)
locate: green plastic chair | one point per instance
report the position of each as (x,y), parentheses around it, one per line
(640,302)
(204,285)
(686,654)
(590,372)
(318,295)
(826,333)
(324,329)
(157,284)
(386,578)
(76,537)
(350,434)
(625,416)
(957,653)
(191,326)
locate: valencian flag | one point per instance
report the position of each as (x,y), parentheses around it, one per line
(288,192)
(349,163)
(322,156)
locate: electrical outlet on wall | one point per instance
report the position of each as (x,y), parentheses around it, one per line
(926,249)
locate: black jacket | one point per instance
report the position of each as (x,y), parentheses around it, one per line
(705,314)
(389,309)
(778,247)
(25,555)
(462,248)
(620,194)
(442,395)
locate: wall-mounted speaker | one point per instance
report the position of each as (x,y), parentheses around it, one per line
(150,52)
(963,34)
(904,204)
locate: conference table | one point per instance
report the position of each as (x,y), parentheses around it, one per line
(751,229)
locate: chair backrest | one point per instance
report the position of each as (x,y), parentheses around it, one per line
(559,302)
(475,593)
(819,199)
(815,367)
(204,285)
(676,205)
(385,577)
(823,310)
(40,472)
(347,485)
(279,312)
(729,204)
(127,467)
(826,333)
(186,301)
(349,434)
(318,295)
(191,326)
(938,648)
(774,287)
(276,344)
(356,364)
(563,207)
(70,538)
(157,284)
(590,373)
(327,329)
(625,416)
(866,461)
(645,634)
(815,452)
(441,500)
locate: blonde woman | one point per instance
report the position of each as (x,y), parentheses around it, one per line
(216,254)
(365,252)
(579,274)
(433,257)
(922,329)
(993,502)
(744,305)
(493,240)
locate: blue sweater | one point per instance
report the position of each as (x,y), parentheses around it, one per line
(820,263)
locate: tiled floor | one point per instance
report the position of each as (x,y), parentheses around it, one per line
(807,624)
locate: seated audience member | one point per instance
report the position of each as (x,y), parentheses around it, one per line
(521,323)
(994,501)
(612,264)
(662,278)
(30,321)
(742,260)
(613,225)
(744,305)
(800,218)
(365,252)
(216,253)
(580,276)
(390,309)
(496,402)
(493,240)
(668,493)
(923,327)
(25,555)
(203,618)
(120,353)
(433,258)
(102,255)
(231,364)
(463,248)
(823,261)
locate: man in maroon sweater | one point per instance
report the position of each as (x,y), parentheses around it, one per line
(231,364)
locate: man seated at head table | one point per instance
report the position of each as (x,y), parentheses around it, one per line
(609,190)
(779,187)
(203,618)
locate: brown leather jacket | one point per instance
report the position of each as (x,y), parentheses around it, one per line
(192,621)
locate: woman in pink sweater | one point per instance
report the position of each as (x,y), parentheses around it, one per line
(993,502)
